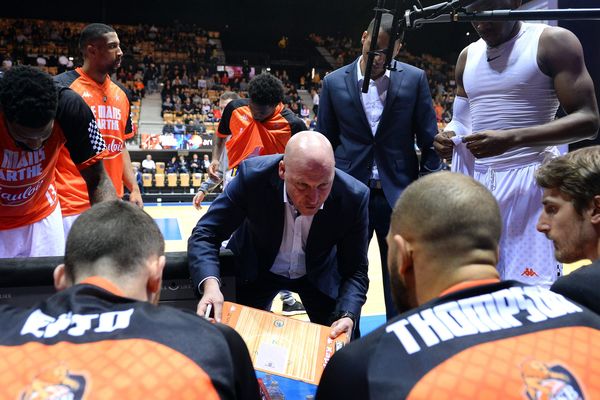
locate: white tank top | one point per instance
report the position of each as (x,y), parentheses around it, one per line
(507,89)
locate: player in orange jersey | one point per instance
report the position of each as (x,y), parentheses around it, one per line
(257,126)
(109,101)
(36,119)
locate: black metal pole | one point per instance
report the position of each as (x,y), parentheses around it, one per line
(374,37)
(394,36)
(512,15)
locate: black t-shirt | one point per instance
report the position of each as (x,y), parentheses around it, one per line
(582,286)
(88,341)
(503,340)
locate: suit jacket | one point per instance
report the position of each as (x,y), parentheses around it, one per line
(407,114)
(252,206)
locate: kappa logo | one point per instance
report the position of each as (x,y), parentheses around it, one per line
(549,382)
(56,383)
(86,94)
(529,272)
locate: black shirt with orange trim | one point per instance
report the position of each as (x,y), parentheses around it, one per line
(250,137)
(27,178)
(110,103)
(91,342)
(502,340)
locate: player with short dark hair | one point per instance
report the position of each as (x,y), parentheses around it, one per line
(110,103)
(265,90)
(467,335)
(260,125)
(36,119)
(28,97)
(102,335)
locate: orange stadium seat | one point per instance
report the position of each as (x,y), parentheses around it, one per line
(159,180)
(184,180)
(147,180)
(172,180)
(160,168)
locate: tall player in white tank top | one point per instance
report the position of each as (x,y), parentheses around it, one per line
(510,84)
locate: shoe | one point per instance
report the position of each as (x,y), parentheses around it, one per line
(295,309)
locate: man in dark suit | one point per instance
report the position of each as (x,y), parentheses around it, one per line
(373,134)
(299,224)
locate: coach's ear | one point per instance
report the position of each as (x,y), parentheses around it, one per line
(61,282)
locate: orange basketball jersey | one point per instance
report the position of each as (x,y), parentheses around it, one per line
(256,138)
(110,105)
(27,178)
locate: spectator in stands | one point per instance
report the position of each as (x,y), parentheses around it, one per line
(138,179)
(177,105)
(304,111)
(167,128)
(201,82)
(104,311)
(205,107)
(183,165)
(178,131)
(313,124)
(443,251)
(167,105)
(195,164)
(315,100)
(148,165)
(244,85)
(294,108)
(139,88)
(36,120)
(172,166)
(571,219)
(151,76)
(188,107)
(205,163)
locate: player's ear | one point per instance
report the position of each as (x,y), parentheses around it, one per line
(595,210)
(154,284)
(61,282)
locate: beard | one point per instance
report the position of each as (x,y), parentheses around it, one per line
(400,294)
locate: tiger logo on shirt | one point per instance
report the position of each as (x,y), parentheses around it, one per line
(56,383)
(549,382)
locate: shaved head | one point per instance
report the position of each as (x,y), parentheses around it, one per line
(449,215)
(308,169)
(309,148)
